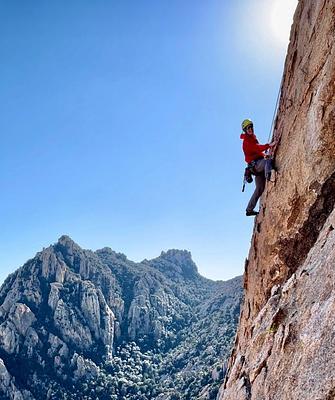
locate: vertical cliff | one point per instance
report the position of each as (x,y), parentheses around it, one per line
(285,344)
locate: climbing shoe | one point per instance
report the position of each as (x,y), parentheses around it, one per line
(271,176)
(251,213)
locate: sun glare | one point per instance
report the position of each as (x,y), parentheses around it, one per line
(281,19)
(266,26)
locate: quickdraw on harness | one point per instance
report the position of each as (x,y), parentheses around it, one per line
(247,176)
(248,172)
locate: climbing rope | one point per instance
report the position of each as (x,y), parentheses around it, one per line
(275,112)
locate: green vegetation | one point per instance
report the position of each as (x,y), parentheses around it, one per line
(114,329)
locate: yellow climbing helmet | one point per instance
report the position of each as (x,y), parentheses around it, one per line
(246,123)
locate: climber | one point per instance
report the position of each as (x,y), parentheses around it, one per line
(259,164)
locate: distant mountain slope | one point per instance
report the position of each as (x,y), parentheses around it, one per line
(81,324)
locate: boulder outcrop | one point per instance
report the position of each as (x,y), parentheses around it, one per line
(285,342)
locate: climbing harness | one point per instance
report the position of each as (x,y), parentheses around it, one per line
(252,165)
(249,172)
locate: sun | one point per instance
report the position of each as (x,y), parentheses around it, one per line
(281,19)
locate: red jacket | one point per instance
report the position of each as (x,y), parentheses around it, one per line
(251,148)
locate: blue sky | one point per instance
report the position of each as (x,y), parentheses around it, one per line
(120,124)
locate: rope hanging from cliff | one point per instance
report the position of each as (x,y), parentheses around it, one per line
(275,112)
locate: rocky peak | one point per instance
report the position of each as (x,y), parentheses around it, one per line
(66,241)
(176,263)
(111,254)
(177,256)
(67,247)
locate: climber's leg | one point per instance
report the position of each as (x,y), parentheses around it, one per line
(260,185)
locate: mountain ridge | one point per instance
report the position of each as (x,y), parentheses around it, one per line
(72,316)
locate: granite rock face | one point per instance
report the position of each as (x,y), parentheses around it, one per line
(8,388)
(50,311)
(68,311)
(285,342)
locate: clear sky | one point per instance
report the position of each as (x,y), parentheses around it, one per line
(120,124)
